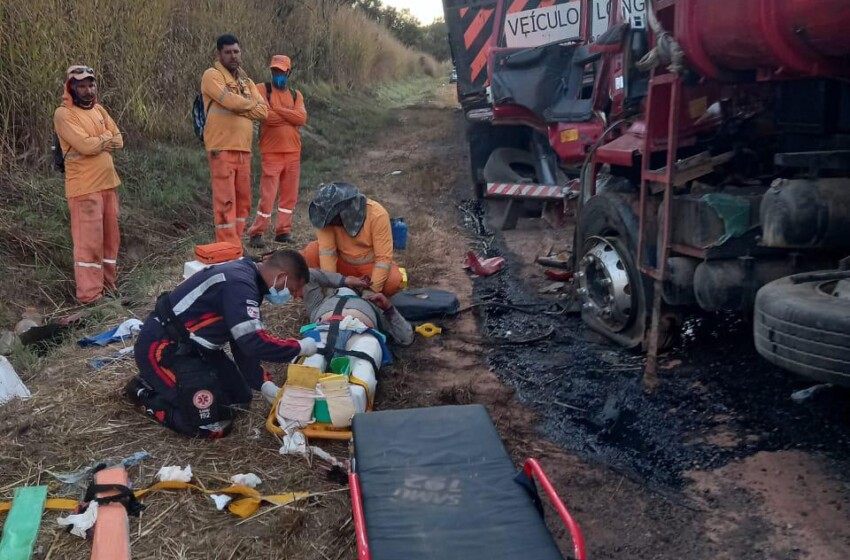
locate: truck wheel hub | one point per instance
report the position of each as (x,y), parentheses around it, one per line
(604,285)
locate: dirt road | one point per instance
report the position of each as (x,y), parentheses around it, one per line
(718,465)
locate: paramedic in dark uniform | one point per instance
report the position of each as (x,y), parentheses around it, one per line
(186,381)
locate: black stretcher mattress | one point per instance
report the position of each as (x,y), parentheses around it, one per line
(437,484)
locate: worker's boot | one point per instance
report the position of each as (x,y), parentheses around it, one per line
(283,238)
(257,242)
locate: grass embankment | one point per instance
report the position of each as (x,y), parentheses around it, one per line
(77,414)
(166,208)
(149,57)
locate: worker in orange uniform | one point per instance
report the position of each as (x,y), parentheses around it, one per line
(354,237)
(87,137)
(280,145)
(233,104)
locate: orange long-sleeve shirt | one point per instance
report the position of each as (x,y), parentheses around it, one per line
(373,245)
(234,104)
(280,131)
(86,137)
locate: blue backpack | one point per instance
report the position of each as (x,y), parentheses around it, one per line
(199,115)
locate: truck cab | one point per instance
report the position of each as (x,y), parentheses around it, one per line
(707,151)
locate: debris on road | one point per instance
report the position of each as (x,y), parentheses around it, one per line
(484,267)
(607,418)
(802,396)
(296,444)
(80,523)
(561,259)
(82,475)
(126,330)
(553,288)
(99,363)
(429,330)
(220,500)
(11,386)
(250,480)
(8,339)
(175,474)
(559,276)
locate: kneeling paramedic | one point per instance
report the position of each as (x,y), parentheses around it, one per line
(353,237)
(186,380)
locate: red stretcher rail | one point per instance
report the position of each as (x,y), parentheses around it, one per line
(359,519)
(532,470)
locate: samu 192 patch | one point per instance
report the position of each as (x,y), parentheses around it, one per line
(203,399)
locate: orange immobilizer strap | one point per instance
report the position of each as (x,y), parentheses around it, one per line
(112,528)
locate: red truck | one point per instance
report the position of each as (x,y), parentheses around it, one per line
(704,144)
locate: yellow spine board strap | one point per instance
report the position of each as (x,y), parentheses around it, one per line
(53,504)
(246,504)
(361,383)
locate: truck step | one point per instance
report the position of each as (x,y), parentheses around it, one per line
(529,191)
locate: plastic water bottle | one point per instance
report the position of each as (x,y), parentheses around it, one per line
(399,227)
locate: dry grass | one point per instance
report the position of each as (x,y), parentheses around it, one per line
(77,415)
(150,57)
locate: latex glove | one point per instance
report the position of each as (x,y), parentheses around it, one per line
(308,346)
(270,391)
(81,522)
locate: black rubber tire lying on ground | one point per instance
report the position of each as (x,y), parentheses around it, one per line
(805,330)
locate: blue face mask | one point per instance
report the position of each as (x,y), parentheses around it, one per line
(278,297)
(280,81)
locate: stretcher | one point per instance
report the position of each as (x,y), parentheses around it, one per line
(438,483)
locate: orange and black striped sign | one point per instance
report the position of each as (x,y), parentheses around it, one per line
(471,32)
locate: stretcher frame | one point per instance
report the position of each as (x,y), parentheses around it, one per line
(532,469)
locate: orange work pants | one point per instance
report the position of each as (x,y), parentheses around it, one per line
(231,185)
(94,230)
(391,286)
(281,175)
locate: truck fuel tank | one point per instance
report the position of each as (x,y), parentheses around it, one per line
(807,214)
(767,39)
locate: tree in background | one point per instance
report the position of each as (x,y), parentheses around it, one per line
(430,39)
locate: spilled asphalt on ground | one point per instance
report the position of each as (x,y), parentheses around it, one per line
(720,404)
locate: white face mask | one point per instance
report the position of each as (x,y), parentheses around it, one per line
(278,297)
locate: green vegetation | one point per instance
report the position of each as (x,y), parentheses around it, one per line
(165,200)
(150,56)
(430,39)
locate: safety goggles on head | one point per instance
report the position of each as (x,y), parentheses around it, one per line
(80,72)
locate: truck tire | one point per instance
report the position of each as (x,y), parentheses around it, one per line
(608,223)
(480,142)
(805,329)
(510,165)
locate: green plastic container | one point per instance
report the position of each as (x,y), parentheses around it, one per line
(339,366)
